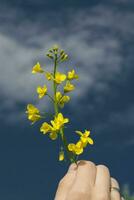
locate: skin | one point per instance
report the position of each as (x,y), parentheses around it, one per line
(86,181)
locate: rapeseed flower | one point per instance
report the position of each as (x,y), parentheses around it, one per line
(33,113)
(72,75)
(68,87)
(59,122)
(55,126)
(59,77)
(48,76)
(84,138)
(42,91)
(61,100)
(37,69)
(76,148)
(45,128)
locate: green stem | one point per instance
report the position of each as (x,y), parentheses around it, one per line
(55,86)
(69,154)
(63,138)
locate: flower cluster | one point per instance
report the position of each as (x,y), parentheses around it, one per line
(55,128)
(81,144)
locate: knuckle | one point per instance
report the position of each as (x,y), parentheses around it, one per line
(114,182)
(85,162)
(90,164)
(103,167)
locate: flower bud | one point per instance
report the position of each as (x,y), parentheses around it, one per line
(64,57)
(55,49)
(50,56)
(61,155)
(50,50)
(62,52)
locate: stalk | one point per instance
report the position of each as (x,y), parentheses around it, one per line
(63,138)
(55,86)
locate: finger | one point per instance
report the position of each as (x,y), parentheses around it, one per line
(85,176)
(102,182)
(66,183)
(115,195)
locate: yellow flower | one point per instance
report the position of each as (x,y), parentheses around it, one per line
(42,91)
(76,148)
(48,76)
(61,100)
(68,87)
(37,69)
(33,113)
(59,77)
(61,155)
(84,138)
(58,96)
(72,75)
(45,128)
(58,122)
(53,129)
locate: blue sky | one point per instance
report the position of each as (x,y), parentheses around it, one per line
(98,36)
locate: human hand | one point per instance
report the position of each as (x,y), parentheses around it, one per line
(86,181)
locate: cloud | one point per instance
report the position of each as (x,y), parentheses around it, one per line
(92,38)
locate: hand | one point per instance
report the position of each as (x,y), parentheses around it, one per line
(86,181)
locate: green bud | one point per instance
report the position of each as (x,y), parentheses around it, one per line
(50,56)
(62,52)
(64,57)
(50,50)
(55,48)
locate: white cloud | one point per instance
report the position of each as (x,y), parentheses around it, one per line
(95,51)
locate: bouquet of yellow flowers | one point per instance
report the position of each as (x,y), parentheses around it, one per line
(56,127)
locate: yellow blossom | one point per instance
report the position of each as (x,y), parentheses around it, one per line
(72,75)
(76,148)
(84,137)
(59,77)
(37,69)
(58,122)
(42,91)
(45,128)
(61,100)
(68,87)
(48,76)
(53,129)
(33,113)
